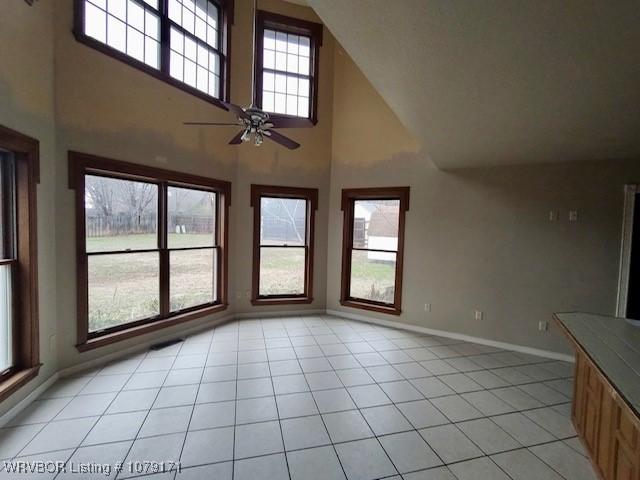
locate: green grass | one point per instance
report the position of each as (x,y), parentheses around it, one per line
(145,241)
(281,271)
(372,280)
(124,287)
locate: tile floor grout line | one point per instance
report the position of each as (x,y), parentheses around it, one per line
(346,334)
(98,417)
(195,401)
(275,400)
(126,455)
(333,447)
(235,407)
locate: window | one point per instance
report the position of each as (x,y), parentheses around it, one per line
(373,246)
(152,247)
(19,340)
(283,225)
(287,68)
(183,42)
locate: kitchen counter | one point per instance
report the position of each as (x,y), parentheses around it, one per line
(613,345)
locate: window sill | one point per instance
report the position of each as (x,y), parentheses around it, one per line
(281,301)
(286,121)
(115,337)
(391,310)
(17,380)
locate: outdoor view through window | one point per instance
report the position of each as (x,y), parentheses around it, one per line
(283,242)
(123,240)
(374,251)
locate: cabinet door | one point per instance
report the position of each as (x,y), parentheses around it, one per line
(579,393)
(591,409)
(626,445)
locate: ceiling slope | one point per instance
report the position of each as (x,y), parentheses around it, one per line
(492,82)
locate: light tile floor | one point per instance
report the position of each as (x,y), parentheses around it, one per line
(306,398)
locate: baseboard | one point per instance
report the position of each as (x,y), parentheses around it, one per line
(26,401)
(457,336)
(283,313)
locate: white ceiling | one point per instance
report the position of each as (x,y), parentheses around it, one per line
(487,82)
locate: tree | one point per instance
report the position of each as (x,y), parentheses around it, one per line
(101,194)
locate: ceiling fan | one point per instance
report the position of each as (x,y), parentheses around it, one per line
(254,121)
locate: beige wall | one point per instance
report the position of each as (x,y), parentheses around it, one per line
(476,238)
(107,108)
(27,105)
(480,239)
(95,104)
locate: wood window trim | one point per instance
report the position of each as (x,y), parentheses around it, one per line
(226,7)
(349,196)
(296,26)
(81,164)
(311,196)
(27,337)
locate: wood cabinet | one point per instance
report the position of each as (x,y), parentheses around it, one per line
(608,427)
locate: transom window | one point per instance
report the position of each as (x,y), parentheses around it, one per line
(183,42)
(153,246)
(283,244)
(287,66)
(373,248)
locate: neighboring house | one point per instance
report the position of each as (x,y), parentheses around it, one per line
(382,233)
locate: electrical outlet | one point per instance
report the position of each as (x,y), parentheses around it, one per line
(239,295)
(543,325)
(427,307)
(479,315)
(553,215)
(573,216)
(247,294)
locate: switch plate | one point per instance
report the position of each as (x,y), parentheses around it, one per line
(543,325)
(427,307)
(554,215)
(479,315)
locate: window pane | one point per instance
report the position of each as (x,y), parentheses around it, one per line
(283,221)
(127,26)
(123,288)
(191,217)
(95,22)
(375,224)
(6,318)
(373,275)
(192,274)
(282,271)
(120,214)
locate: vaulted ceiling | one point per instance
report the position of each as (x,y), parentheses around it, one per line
(487,82)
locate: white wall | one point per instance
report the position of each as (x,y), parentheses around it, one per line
(27,104)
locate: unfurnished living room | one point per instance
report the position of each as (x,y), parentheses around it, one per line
(320,239)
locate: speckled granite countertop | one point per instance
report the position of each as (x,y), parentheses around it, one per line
(614,345)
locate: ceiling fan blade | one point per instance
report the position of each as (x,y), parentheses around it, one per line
(208,123)
(281,139)
(240,113)
(237,140)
